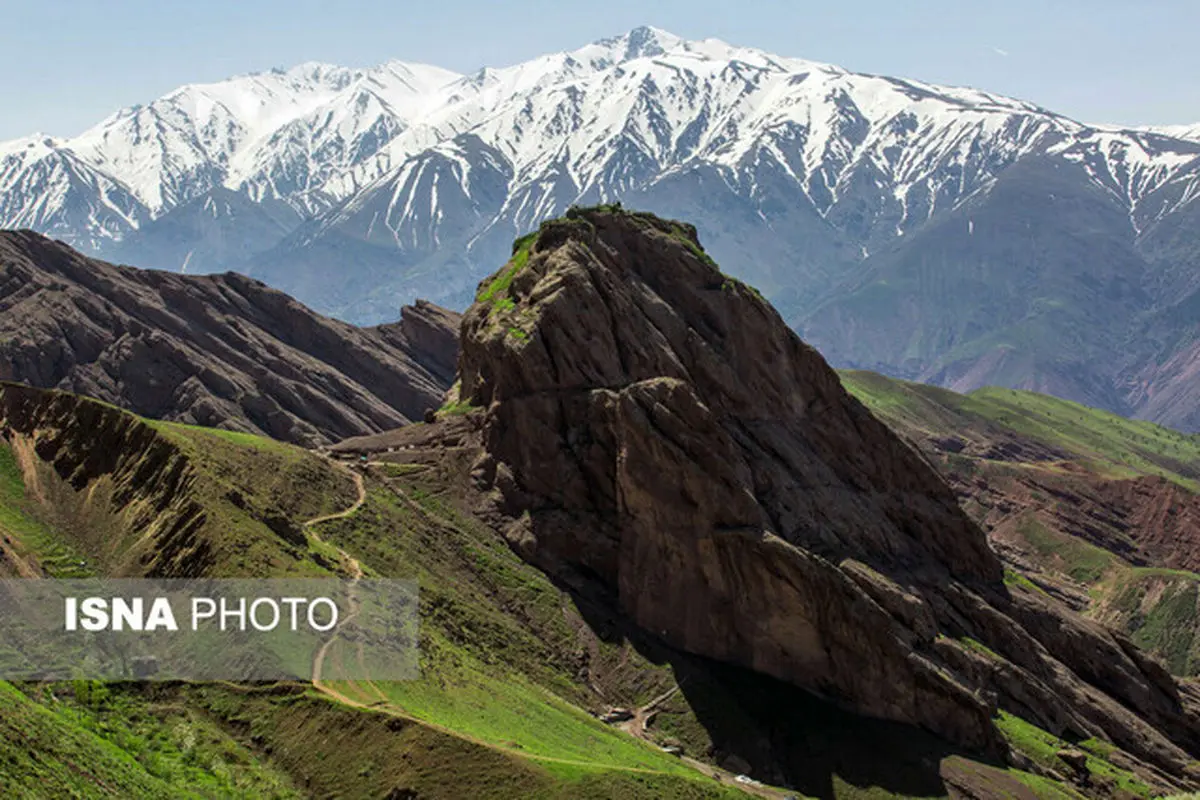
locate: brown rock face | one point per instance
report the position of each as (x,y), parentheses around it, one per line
(429,334)
(220,350)
(653,428)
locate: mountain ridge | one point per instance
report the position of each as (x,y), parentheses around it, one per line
(218,127)
(219,350)
(812,182)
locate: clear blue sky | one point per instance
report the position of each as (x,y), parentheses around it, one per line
(68,63)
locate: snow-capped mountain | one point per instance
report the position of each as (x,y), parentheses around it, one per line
(1177,131)
(358,189)
(47,187)
(603,121)
(280,134)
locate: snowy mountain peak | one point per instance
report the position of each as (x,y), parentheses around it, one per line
(419,78)
(37,144)
(1190,132)
(641,42)
(313,74)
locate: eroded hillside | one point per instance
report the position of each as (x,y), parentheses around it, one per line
(1099,511)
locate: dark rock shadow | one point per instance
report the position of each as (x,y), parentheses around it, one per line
(778,733)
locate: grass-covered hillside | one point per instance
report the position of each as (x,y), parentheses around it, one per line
(1100,510)
(514,669)
(1104,443)
(497,712)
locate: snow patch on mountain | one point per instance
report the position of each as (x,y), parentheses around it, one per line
(1191,132)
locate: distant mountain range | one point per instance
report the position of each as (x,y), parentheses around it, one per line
(940,234)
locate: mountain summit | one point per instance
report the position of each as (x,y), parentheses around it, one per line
(642,42)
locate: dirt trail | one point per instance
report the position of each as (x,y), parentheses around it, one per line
(362,498)
(356,573)
(319,658)
(643,716)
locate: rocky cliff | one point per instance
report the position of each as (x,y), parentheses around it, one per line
(220,350)
(652,430)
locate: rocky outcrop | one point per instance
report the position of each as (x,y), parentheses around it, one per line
(219,350)
(655,431)
(429,333)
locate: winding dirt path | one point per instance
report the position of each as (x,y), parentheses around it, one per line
(358,503)
(356,573)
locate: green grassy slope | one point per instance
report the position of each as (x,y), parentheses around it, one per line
(1109,443)
(1160,608)
(1041,461)
(86,740)
(1106,443)
(334,749)
(498,695)
(1044,748)
(511,666)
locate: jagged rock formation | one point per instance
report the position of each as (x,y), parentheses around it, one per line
(653,430)
(221,351)
(429,334)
